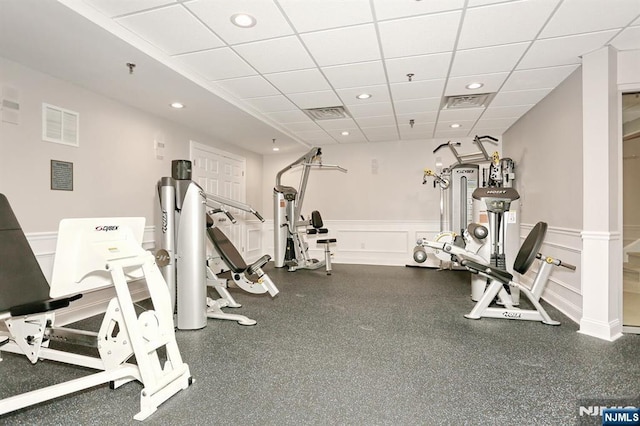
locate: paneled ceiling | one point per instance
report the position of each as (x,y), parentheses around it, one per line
(248,86)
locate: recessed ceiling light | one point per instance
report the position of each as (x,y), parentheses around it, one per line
(454,126)
(275,148)
(474,86)
(243,20)
(345,133)
(177,105)
(364,96)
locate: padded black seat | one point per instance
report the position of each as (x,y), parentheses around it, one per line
(230,254)
(327,241)
(24,290)
(526,255)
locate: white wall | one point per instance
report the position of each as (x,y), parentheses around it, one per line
(546,145)
(115,168)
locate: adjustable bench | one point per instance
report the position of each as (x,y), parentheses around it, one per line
(90,254)
(238,271)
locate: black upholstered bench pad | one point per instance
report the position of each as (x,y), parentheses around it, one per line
(21,279)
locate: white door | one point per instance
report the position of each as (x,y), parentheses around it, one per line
(222,173)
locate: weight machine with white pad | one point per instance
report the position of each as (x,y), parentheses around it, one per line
(90,254)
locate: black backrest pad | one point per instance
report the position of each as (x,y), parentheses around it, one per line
(227,250)
(316,219)
(21,279)
(530,248)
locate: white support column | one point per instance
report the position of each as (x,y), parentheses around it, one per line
(602,243)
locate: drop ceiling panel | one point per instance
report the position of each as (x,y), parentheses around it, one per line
(370,110)
(495,24)
(326,98)
(628,39)
(272,103)
(285,54)
(303,126)
(563,50)
(520,97)
(539,78)
(417,89)
(419,117)
(417,105)
(445,126)
(354,136)
(378,94)
(270,22)
(339,124)
(343,46)
(487,60)
(116,8)
(594,16)
(284,117)
(309,80)
(460,115)
(423,67)
(491,83)
(390,9)
(248,87)
(217,64)
(314,15)
(474,3)
(355,75)
(419,35)
(384,121)
(172,29)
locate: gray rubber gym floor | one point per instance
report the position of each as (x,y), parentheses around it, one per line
(369,345)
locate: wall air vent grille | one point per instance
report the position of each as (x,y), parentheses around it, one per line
(327,113)
(480,100)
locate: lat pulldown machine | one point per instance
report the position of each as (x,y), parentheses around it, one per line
(182,255)
(290,227)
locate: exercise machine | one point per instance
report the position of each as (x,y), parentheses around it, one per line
(234,270)
(290,227)
(182,255)
(90,254)
(502,282)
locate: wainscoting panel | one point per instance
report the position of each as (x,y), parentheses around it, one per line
(563,290)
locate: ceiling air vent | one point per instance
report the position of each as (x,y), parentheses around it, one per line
(479,100)
(326,113)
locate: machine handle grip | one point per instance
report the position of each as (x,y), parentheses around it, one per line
(567,265)
(258,215)
(230,216)
(488,137)
(555,261)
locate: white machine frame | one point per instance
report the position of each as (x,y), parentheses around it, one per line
(91,254)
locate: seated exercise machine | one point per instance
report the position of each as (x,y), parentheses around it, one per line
(183,258)
(90,254)
(235,270)
(290,227)
(501,281)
